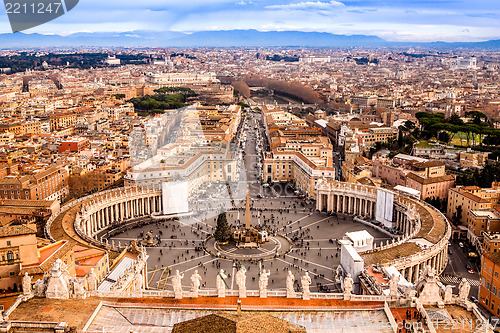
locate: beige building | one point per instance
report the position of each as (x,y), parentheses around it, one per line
(475,202)
(18,245)
(430,179)
(472,198)
(299,153)
(46,184)
(295,167)
(469,159)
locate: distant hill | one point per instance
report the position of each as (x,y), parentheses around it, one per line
(274,38)
(224,38)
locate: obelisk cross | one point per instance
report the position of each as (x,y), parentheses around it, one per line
(247,214)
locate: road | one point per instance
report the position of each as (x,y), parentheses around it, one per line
(457,269)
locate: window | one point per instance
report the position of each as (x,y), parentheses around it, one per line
(10,255)
(8,243)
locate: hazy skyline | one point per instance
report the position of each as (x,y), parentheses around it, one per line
(393,20)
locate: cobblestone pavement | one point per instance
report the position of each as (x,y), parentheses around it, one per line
(314,247)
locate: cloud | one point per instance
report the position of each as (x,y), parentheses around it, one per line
(308,5)
(391,19)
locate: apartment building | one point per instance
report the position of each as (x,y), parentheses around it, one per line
(49,183)
(478,209)
(472,198)
(427,177)
(430,179)
(489,288)
(299,153)
(62,120)
(470,159)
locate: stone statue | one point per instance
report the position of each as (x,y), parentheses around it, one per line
(463,290)
(133,246)
(410,293)
(306,281)
(393,286)
(78,289)
(177,284)
(195,283)
(428,288)
(448,293)
(241,279)
(290,279)
(348,283)
(263,281)
(92,280)
(58,286)
(39,288)
(137,282)
(220,283)
(26,284)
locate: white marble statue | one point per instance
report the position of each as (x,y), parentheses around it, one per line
(138,282)
(306,281)
(78,289)
(92,280)
(463,290)
(58,286)
(26,284)
(241,279)
(177,284)
(290,279)
(348,283)
(220,283)
(263,281)
(410,293)
(195,283)
(393,285)
(39,288)
(448,293)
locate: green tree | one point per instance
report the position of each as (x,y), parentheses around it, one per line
(443,136)
(409,125)
(222,233)
(457,216)
(477,116)
(400,138)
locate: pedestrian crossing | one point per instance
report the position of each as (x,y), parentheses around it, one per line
(452,279)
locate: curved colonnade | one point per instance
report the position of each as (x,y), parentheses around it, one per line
(422,230)
(107,210)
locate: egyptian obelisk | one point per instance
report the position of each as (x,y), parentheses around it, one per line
(247,213)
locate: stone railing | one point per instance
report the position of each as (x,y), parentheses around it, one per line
(389,315)
(229,293)
(420,308)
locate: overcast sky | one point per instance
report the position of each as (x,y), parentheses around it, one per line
(395,20)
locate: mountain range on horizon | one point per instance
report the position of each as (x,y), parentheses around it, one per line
(222,38)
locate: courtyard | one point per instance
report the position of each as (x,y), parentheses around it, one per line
(313,236)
